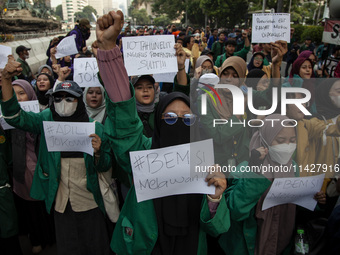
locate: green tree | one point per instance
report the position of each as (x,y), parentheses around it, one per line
(59,11)
(86,13)
(162,20)
(141,16)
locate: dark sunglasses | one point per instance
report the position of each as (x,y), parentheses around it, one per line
(171,118)
(68,99)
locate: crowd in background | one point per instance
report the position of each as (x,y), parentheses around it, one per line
(56,196)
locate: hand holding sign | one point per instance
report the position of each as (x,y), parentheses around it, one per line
(181,55)
(108,28)
(219,181)
(96,142)
(279,49)
(11,69)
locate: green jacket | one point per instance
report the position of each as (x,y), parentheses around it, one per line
(218,49)
(242,53)
(231,141)
(47,172)
(136,230)
(8,213)
(244,192)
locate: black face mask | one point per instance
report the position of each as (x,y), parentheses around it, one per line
(86,33)
(175,134)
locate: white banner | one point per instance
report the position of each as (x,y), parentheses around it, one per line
(169,77)
(270,27)
(299,191)
(67,47)
(149,54)
(4,52)
(69,136)
(86,72)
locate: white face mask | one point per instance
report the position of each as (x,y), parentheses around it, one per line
(27,56)
(336,100)
(281,153)
(65,109)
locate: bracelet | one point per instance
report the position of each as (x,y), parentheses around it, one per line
(180,69)
(214,200)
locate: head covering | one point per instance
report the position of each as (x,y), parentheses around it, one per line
(273,217)
(85,22)
(207,52)
(202,59)
(306,54)
(251,66)
(44,66)
(26,87)
(226,109)
(297,64)
(69,87)
(264,137)
(253,78)
(21,48)
(146,108)
(324,104)
(178,215)
(98,113)
(42,95)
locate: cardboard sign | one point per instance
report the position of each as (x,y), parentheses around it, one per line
(149,54)
(4,52)
(299,191)
(270,27)
(170,171)
(66,47)
(86,72)
(69,136)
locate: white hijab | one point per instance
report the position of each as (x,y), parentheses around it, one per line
(97,114)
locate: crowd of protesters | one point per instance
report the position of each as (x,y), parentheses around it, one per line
(55,197)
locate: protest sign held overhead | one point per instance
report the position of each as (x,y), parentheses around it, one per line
(66,47)
(149,54)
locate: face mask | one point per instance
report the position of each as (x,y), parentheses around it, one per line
(27,56)
(65,109)
(336,100)
(281,153)
(205,71)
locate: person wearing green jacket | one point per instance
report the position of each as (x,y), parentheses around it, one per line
(230,47)
(168,225)
(66,181)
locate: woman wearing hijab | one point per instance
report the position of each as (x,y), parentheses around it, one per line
(66,181)
(32,213)
(253,230)
(302,76)
(256,62)
(44,83)
(94,101)
(231,142)
(168,225)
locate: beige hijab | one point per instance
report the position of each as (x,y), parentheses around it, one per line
(226,109)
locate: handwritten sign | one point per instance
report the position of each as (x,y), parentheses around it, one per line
(299,191)
(69,136)
(270,27)
(331,33)
(4,52)
(149,54)
(86,72)
(169,77)
(66,47)
(27,106)
(169,171)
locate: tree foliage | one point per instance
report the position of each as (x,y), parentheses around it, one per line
(86,13)
(162,20)
(141,16)
(59,11)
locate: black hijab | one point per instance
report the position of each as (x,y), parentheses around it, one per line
(253,78)
(80,115)
(324,104)
(178,216)
(42,98)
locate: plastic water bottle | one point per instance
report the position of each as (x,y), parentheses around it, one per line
(301,243)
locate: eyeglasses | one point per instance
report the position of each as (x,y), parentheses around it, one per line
(171,118)
(258,59)
(68,99)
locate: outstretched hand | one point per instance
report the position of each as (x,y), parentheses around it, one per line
(108,28)
(181,55)
(279,49)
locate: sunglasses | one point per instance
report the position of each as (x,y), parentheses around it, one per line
(171,118)
(68,99)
